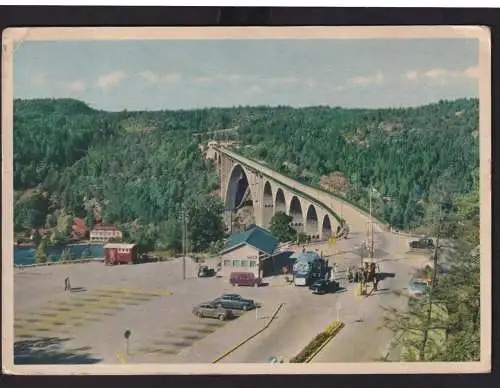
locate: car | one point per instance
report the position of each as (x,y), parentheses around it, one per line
(423,243)
(205,272)
(209,310)
(244,279)
(234,301)
(323,286)
(417,287)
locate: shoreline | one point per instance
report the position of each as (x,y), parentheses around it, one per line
(32,245)
(76,261)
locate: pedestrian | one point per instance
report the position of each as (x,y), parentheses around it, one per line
(67,284)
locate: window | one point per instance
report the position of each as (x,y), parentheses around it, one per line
(244,263)
(236,263)
(227,263)
(253,263)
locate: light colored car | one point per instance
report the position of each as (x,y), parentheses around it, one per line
(418,287)
(209,310)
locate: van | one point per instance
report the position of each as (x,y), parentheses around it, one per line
(244,279)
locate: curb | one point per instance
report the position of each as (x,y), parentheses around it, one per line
(335,332)
(250,337)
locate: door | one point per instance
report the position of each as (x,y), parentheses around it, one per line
(112,255)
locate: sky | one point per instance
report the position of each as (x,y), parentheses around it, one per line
(187,74)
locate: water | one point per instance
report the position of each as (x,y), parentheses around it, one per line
(26,255)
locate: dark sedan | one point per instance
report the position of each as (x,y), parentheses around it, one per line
(234,301)
(323,286)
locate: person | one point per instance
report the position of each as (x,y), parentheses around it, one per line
(67,285)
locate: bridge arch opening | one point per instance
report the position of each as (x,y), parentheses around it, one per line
(238,192)
(268,204)
(311,225)
(326,229)
(296,213)
(280,202)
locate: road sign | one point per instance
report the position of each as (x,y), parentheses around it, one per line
(127,336)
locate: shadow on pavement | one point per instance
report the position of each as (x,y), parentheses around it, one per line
(78,289)
(48,350)
(385,275)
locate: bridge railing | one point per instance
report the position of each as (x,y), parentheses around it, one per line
(346,200)
(305,195)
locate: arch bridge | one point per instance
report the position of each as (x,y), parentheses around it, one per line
(315,212)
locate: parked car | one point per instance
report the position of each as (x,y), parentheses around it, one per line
(204,271)
(244,279)
(323,286)
(423,243)
(417,287)
(234,301)
(209,310)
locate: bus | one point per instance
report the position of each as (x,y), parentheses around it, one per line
(308,267)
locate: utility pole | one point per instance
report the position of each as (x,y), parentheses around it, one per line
(184,240)
(434,277)
(371,224)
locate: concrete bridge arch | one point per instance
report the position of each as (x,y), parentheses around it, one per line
(314,212)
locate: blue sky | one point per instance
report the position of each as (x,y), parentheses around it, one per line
(175,74)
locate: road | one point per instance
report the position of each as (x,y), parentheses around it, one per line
(305,314)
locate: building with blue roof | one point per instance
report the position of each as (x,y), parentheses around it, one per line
(244,252)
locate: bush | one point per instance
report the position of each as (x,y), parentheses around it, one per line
(314,345)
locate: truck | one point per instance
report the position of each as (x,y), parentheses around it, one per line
(308,267)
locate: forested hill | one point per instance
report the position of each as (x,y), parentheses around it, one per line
(412,157)
(139,166)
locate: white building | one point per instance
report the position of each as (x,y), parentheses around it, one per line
(103,233)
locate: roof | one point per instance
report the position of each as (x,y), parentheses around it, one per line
(256,237)
(105,227)
(119,245)
(306,256)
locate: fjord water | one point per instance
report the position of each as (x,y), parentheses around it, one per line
(26,255)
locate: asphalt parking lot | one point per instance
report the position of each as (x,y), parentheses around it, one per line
(151,300)
(155,304)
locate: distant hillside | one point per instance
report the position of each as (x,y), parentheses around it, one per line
(413,157)
(142,165)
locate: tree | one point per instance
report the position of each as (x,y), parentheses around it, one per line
(281,228)
(457,291)
(41,250)
(204,222)
(172,235)
(66,255)
(63,228)
(303,238)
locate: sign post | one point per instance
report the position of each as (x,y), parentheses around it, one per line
(127,336)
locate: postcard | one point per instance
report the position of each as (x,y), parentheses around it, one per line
(294,200)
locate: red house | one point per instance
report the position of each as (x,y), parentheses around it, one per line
(119,253)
